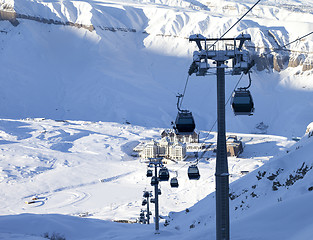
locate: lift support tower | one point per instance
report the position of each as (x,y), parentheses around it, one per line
(222,50)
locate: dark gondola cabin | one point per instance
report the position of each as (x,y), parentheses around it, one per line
(149,173)
(144,202)
(152,200)
(193,172)
(146,194)
(154,181)
(174,182)
(164,175)
(242,102)
(184,122)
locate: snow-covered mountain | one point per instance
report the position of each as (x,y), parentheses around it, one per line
(135,61)
(76,71)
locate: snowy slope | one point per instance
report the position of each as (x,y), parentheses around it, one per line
(84,169)
(135,62)
(273,202)
(78,168)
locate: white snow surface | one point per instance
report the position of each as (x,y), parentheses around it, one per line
(66,94)
(61,72)
(79,168)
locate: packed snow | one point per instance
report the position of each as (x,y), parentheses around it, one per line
(75,102)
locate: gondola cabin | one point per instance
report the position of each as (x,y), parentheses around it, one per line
(193,172)
(146,194)
(242,102)
(174,182)
(184,122)
(149,173)
(144,202)
(154,181)
(164,175)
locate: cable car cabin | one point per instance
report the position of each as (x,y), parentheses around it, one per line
(154,181)
(242,102)
(152,200)
(144,202)
(184,122)
(193,172)
(146,194)
(174,182)
(159,191)
(149,173)
(164,175)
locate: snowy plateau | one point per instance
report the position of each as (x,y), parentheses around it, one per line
(84,81)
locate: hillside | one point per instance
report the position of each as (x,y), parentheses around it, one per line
(84,178)
(135,61)
(276,197)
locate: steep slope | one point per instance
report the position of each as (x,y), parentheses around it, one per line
(272,202)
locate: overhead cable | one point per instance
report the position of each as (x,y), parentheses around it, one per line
(216,119)
(235,24)
(281,48)
(183,95)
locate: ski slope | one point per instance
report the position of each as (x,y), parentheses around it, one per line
(85,169)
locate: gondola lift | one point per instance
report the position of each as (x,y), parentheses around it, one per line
(184,120)
(174,182)
(149,173)
(159,191)
(164,174)
(193,172)
(242,102)
(144,202)
(152,200)
(146,194)
(154,181)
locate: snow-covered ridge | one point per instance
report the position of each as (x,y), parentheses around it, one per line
(177,18)
(138,55)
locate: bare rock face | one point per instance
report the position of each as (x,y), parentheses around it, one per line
(307,65)
(303,60)
(296,60)
(9,15)
(278,63)
(281,60)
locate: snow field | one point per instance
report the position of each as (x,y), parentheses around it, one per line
(81,168)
